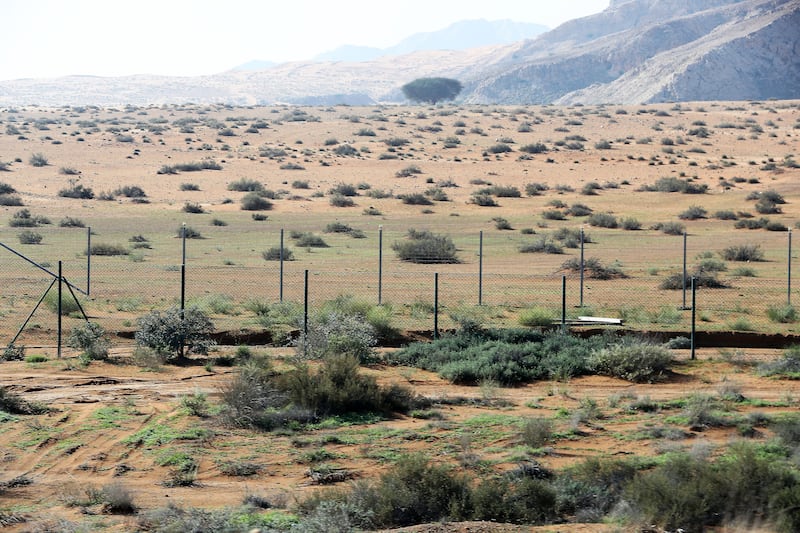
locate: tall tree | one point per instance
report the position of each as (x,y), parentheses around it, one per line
(431,90)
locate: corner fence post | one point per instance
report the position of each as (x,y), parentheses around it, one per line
(789,272)
(88,261)
(305,313)
(563,304)
(683,280)
(183,269)
(583,266)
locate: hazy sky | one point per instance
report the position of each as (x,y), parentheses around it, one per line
(48,38)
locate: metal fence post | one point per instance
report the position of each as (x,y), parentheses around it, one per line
(683,281)
(305,313)
(789,272)
(480,269)
(60,289)
(694,314)
(183,269)
(563,304)
(583,266)
(88,260)
(380,264)
(436,305)
(280,275)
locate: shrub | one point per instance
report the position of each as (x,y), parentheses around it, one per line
(416,199)
(579,210)
(535,189)
(603,220)
(168,333)
(68,303)
(130,191)
(788,364)
(784,314)
(534,148)
(502,191)
(553,214)
(542,245)
(701,279)
(38,160)
(743,252)
(193,207)
(245,185)
(671,228)
(483,200)
(189,187)
(29,237)
(255,202)
(594,268)
(408,171)
(339,200)
(426,247)
(103,249)
(336,333)
(90,339)
(274,254)
(632,360)
(693,213)
(188,232)
(14,404)
(10,200)
(673,184)
(630,224)
(70,222)
(117,499)
(536,317)
(725,214)
(536,432)
(309,240)
(24,219)
(591,188)
(501,223)
(5,188)
(77,191)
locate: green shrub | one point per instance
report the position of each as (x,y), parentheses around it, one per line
(38,160)
(77,191)
(254,202)
(743,252)
(68,304)
(783,314)
(537,432)
(130,191)
(309,240)
(246,185)
(535,148)
(10,200)
(344,189)
(695,212)
(415,199)
(788,364)
(90,338)
(630,224)
(671,228)
(483,200)
(104,249)
(632,360)
(339,200)
(172,331)
(579,210)
(536,317)
(542,245)
(603,220)
(5,188)
(502,191)
(553,214)
(535,189)
(525,500)
(336,333)
(673,184)
(426,247)
(188,232)
(29,237)
(274,254)
(594,268)
(591,489)
(71,222)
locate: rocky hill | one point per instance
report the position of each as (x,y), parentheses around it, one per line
(636,51)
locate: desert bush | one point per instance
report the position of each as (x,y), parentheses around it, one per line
(630,224)
(788,364)
(743,252)
(502,191)
(188,232)
(254,202)
(172,331)
(725,214)
(673,184)
(695,212)
(701,279)
(24,219)
(338,200)
(591,188)
(90,338)
(193,207)
(14,404)
(537,432)
(501,223)
(309,240)
(534,148)
(594,268)
(130,191)
(71,222)
(633,360)
(671,228)
(188,187)
(104,249)
(541,245)
(246,185)
(591,489)
(436,194)
(336,333)
(524,500)
(536,317)
(483,200)
(77,191)
(782,314)
(29,237)
(117,499)
(68,304)
(415,199)
(553,214)
(535,189)
(579,210)
(426,247)
(338,388)
(10,200)
(499,148)
(603,220)
(38,160)
(274,254)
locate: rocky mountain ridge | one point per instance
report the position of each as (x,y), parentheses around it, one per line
(636,51)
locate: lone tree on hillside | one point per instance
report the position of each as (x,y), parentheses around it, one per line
(431,90)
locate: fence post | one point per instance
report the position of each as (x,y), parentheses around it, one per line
(480,269)
(88,261)
(694,314)
(60,288)
(683,281)
(563,304)
(280,275)
(183,269)
(436,305)
(582,266)
(305,313)
(380,264)
(789,272)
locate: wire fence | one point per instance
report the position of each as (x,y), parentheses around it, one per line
(609,273)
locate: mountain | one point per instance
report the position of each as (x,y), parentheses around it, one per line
(458,36)
(635,51)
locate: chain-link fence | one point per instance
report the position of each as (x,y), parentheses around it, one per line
(641,277)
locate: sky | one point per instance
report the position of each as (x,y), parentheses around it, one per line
(51,38)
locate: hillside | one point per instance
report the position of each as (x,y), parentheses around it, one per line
(636,51)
